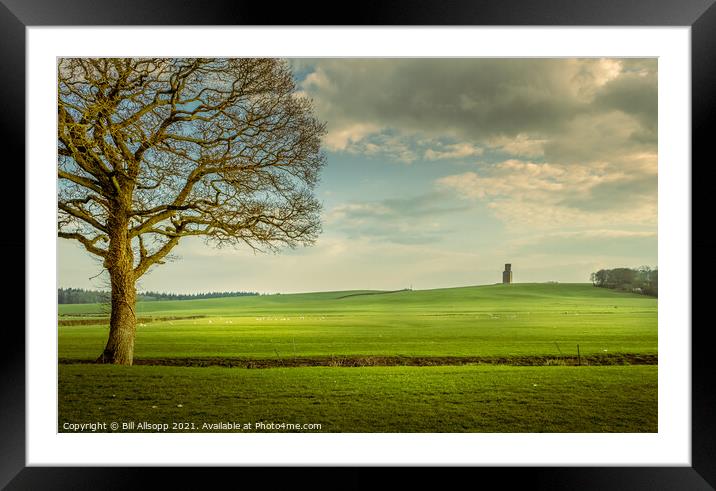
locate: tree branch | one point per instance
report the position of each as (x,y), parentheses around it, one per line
(88,243)
(82,181)
(82,215)
(147,261)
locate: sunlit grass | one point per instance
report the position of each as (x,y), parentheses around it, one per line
(490,321)
(478,321)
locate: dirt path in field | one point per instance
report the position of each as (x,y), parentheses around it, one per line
(388,361)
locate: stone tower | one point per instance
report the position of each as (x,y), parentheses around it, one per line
(507,274)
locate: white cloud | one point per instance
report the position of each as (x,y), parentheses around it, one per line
(588,76)
(520,145)
(453,151)
(546,196)
(347,137)
(357,212)
(602,234)
(419,219)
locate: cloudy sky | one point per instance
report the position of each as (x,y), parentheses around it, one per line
(439,171)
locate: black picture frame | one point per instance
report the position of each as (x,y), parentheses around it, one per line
(700,15)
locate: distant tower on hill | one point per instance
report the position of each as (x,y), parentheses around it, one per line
(507,274)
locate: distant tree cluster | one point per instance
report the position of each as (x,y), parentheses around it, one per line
(78,295)
(644,280)
(192,296)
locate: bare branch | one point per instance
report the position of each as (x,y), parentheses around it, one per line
(155,258)
(81,214)
(152,150)
(88,243)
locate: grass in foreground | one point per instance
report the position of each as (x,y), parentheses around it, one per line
(493,399)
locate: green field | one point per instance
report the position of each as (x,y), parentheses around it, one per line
(504,322)
(377,399)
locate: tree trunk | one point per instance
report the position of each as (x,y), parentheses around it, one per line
(123,321)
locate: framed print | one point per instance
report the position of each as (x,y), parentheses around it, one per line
(487,193)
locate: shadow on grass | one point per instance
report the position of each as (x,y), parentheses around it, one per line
(387,361)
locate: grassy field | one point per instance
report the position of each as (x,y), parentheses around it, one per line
(376,399)
(537,319)
(504,321)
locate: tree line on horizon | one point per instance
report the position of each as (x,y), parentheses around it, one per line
(643,280)
(79,295)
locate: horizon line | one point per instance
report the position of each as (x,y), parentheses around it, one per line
(257,293)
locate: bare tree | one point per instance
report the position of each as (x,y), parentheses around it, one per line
(153,150)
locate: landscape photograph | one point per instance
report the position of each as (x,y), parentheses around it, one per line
(357,245)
